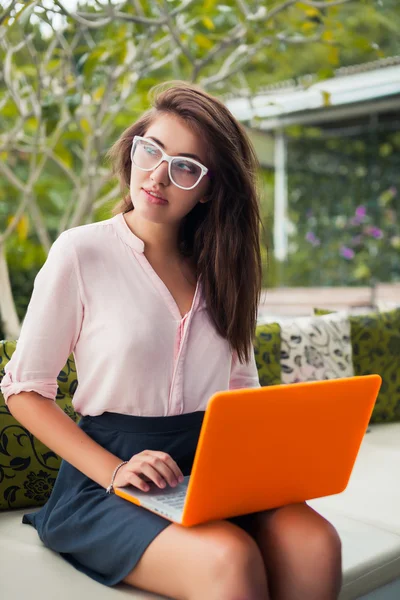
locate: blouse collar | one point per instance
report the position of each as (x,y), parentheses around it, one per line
(127,235)
(132,240)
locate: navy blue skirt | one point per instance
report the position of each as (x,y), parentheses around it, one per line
(102,534)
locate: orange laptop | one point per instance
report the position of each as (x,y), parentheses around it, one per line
(265,447)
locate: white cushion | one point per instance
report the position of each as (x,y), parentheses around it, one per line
(367,513)
(371,556)
(373,493)
(30,570)
(316,348)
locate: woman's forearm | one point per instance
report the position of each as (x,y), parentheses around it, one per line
(46,421)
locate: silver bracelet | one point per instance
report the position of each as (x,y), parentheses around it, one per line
(110,489)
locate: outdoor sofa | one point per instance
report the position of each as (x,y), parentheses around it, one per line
(366,515)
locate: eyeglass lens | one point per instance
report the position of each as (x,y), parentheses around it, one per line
(184,172)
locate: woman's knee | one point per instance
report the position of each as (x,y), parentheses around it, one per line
(233,554)
(203,561)
(299,530)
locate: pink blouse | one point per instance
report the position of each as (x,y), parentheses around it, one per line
(98,297)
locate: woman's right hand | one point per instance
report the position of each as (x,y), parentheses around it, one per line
(152,466)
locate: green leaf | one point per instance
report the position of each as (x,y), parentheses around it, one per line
(385,150)
(327,36)
(362,272)
(207,22)
(203,41)
(73,101)
(326,97)
(29,70)
(9,109)
(325,73)
(85,125)
(333,56)
(63,155)
(31,124)
(99,93)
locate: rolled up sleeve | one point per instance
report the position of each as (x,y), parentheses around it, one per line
(51,327)
(243,375)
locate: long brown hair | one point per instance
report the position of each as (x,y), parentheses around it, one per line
(222,236)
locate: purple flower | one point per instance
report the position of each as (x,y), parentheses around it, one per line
(361,211)
(375,232)
(312,238)
(360,215)
(347,252)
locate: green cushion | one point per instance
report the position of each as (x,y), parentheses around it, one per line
(267,351)
(375,340)
(28,468)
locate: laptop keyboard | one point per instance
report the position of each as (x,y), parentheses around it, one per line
(174,498)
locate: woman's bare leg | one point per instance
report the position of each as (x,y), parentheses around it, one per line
(302,553)
(217,561)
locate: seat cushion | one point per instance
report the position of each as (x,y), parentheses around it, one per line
(373,493)
(367,513)
(371,557)
(45,574)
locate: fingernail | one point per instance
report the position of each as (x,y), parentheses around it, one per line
(181,478)
(162,484)
(146,488)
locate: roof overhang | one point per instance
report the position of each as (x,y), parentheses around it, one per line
(340,97)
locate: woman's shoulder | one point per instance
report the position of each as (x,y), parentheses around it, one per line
(90,235)
(91,230)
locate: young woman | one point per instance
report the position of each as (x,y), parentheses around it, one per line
(159,305)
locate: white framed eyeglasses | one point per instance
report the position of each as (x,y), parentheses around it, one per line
(184,172)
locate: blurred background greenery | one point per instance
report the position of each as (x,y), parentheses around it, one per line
(74,75)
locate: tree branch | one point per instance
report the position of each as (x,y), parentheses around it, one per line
(111,195)
(236,35)
(174,34)
(17,183)
(9,79)
(7,11)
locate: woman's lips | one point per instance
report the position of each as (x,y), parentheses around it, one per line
(153,200)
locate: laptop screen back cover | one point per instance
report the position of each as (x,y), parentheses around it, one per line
(267,447)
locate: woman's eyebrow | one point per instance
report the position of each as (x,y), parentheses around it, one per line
(181,154)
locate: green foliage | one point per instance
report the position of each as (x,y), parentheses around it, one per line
(344,207)
(82,86)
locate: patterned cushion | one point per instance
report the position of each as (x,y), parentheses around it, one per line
(375,339)
(28,468)
(316,348)
(267,348)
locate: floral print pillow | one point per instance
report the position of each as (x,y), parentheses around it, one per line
(316,348)
(28,469)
